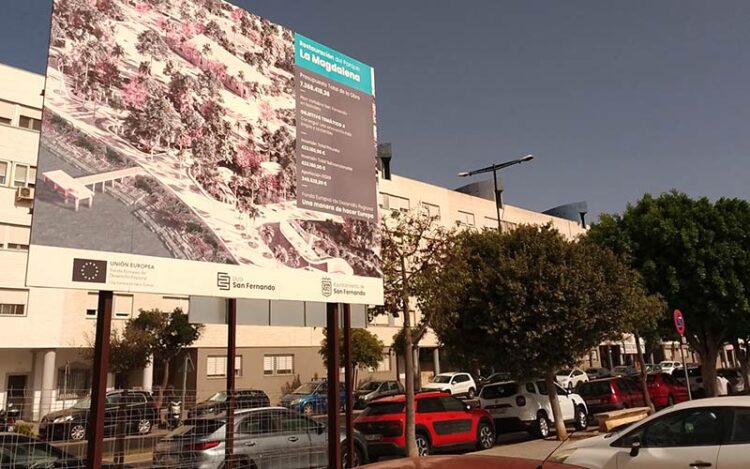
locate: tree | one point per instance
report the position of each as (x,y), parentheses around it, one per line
(151,44)
(155,334)
(367,350)
(696,255)
(413,247)
(529,301)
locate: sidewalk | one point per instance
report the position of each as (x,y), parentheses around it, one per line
(520,445)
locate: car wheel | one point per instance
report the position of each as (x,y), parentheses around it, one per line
(359,458)
(423,445)
(143,426)
(485,436)
(471,394)
(582,420)
(307,409)
(670,401)
(77,432)
(541,426)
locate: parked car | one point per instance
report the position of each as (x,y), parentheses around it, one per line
(596,373)
(217,403)
(8,417)
(457,384)
(375,389)
(23,452)
(569,378)
(442,422)
(668,366)
(653,368)
(140,412)
(695,379)
(696,434)
(526,406)
(664,390)
(492,378)
(625,370)
(607,394)
(735,378)
(311,398)
(473,461)
(263,437)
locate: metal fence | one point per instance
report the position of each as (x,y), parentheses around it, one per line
(142,430)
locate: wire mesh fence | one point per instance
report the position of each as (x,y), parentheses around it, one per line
(168,430)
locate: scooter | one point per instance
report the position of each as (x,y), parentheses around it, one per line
(8,418)
(174,415)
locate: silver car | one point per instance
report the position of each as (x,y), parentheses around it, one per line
(264,438)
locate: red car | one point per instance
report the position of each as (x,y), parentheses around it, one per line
(604,395)
(442,422)
(665,390)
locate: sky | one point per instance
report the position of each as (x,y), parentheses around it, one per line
(614,99)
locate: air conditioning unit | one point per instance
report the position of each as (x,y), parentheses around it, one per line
(25,193)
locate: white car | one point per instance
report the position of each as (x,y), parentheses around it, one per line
(703,433)
(571,377)
(456,384)
(668,366)
(526,406)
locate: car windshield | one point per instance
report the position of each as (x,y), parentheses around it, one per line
(195,428)
(694,372)
(499,391)
(371,386)
(594,388)
(622,369)
(384,408)
(442,379)
(564,372)
(84,403)
(218,397)
(307,388)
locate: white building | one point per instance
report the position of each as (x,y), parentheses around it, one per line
(44,332)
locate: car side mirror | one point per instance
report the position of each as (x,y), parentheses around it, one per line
(635,448)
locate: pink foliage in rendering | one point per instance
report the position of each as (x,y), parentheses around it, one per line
(247,159)
(134,93)
(143,7)
(266,111)
(237,15)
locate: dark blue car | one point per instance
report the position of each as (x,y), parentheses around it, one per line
(311,398)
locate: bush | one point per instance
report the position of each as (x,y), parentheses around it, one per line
(289,387)
(25,429)
(144,185)
(192,227)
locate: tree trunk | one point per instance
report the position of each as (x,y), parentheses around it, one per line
(164,382)
(742,357)
(644,380)
(562,432)
(708,352)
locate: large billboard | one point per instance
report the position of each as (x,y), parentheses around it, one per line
(192,147)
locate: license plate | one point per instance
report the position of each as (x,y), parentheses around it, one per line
(595,401)
(373,437)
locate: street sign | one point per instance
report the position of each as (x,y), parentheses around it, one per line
(679,322)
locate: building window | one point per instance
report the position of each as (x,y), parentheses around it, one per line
(171,303)
(490,222)
(123,307)
(73,383)
(5,120)
(30,123)
(13,302)
(395,203)
(24,175)
(278,365)
(18,247)
(216,366)
(4,169)
(431,210)
(465,218)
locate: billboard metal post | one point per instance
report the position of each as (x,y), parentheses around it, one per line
(122,416)
(349,385)
(333,398)
(231,354)
(95,426)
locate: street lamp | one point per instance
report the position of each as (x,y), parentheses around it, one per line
(495,168)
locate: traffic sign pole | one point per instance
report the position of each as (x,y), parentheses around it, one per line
(684,368)
(679,325)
